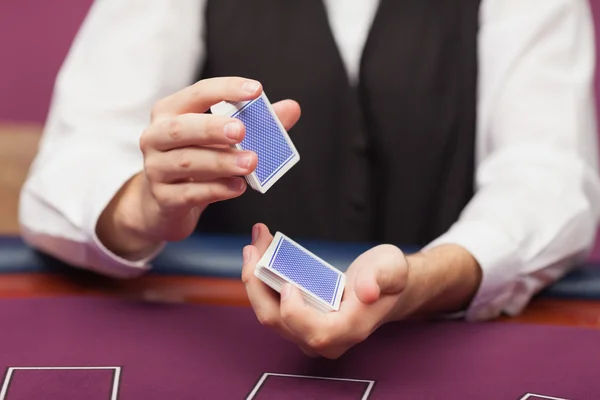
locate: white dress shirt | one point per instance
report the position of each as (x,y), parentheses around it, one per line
(537,197)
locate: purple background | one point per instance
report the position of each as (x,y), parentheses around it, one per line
(186,351)
(35,36)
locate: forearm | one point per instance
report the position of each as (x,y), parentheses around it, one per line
(443,279)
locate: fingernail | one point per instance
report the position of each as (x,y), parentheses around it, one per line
(285,291)
(254,233)
(243,160)
(236,185)
(246,255)
(232,130)
(251,86)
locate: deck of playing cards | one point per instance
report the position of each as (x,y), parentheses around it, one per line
(266,136)
(321,284)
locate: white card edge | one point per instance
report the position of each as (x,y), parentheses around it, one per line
(279,174)
(337,301)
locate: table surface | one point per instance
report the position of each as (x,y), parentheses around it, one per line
(148,350)
(189,289)
(76,293)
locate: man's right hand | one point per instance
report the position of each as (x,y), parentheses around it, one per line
(188,165)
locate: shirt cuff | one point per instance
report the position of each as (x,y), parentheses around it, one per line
(108,263)
(496,255)
(99,196)
(81,197)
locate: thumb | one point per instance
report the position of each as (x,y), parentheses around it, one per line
(288,112)
(382,270)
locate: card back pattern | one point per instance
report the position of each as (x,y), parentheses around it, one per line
(264,137)
(305,271)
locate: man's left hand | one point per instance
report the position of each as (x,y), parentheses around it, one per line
(375,281)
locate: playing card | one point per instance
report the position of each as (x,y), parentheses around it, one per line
(321,284)
(266,136)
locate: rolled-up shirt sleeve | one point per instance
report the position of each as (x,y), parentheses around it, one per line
(535,210)
(126,56)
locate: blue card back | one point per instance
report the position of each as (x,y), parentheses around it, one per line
(306,271)
(264,137)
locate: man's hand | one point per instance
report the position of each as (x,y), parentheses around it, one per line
(382,285)
(188,165)
(375,281)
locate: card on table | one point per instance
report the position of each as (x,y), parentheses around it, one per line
(321,284)
(266,136)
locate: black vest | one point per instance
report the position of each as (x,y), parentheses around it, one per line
(391,160)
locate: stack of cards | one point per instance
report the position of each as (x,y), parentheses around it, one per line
(321,284)
(266,136)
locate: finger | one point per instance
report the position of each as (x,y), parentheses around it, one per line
(381,270)
(261,237)
(317,335)
(263,299)
(288,112)
(199,97)
(304,321)
(181,197)
(192,130)
(366,287)
(199,164)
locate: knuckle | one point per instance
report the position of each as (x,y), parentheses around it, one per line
(223,161)
(162,197)
(391,253)
(149,169)
(152,169)
(319,342)
(198,89)
(144,142)
(360,335)
(266,319)
(287,314)
(355,330)
(188,196)
(208,126)
(183,159)
(214,193)
(232,83)
(174,128)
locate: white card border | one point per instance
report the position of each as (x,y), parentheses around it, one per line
(10,370)
(265,375)
(540,396)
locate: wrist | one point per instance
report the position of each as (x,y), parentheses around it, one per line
(414,294)
(441,280)
(121,227)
